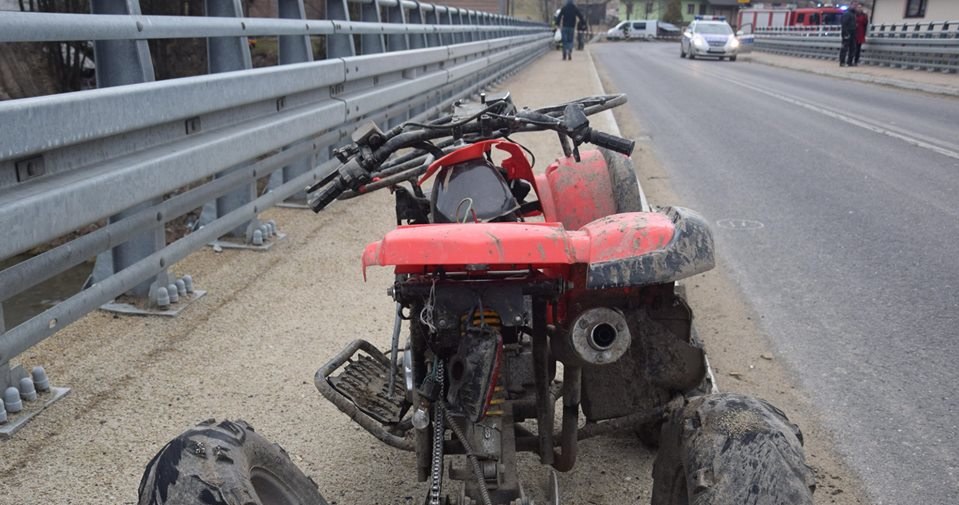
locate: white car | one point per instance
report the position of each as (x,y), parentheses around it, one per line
(643,29)
(709,36)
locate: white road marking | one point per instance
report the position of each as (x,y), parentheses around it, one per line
(908,137)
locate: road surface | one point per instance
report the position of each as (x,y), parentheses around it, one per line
(836,206)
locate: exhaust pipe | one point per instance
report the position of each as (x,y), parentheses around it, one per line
(599,336)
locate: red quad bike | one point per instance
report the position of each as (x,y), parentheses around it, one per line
(501,275)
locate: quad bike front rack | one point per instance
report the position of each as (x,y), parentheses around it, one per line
(361,392)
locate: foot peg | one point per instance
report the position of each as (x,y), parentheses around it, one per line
(361,391)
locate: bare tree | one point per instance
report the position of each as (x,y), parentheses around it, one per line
(674,12)
(67,60)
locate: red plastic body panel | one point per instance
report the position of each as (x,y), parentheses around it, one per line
(516,166)
(509,245)
(576,193)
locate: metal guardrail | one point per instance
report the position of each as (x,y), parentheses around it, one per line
(138,153)
(922,46)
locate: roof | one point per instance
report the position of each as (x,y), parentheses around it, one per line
(724,3)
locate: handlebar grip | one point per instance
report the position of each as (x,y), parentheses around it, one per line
(611,142)
(327,195)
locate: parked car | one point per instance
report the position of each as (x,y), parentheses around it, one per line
(643,29)
(709,36)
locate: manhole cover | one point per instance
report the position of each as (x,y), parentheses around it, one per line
(739,224)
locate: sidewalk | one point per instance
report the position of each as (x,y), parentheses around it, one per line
(918,80)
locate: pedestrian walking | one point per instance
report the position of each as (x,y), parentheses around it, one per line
(862,26)
(566,20)
(848,33)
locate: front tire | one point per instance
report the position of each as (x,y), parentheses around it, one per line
(732,58)
(691,55)
(225,463)
(730,448)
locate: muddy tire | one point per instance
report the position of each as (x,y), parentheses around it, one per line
(625,185)
(730,448)
(225,464)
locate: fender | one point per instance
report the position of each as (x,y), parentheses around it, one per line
(622,250)
(576,193)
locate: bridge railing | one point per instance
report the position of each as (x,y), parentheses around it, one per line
(930,46)
(136,153)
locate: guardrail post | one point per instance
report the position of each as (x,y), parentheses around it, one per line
(122,62)
(417,40)
(472,36)
(293,49)
(458,37)
(225,54)
(340,45)
(371,43)
(432,18)
(443,19)
(397,41)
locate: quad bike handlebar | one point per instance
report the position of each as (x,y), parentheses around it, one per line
(367,157)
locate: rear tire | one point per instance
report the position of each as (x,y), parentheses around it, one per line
(682,52)
(730,448)
(225,463)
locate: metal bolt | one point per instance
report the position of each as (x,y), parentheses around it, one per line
(265,230)
(518,318)
(257,237)
(27,391)
(188,283)
(11,399)
(40,379)
(173,293)
(163,298)
(274,229)
(3,413)
(180,287)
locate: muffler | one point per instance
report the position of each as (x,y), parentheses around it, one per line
(598,336)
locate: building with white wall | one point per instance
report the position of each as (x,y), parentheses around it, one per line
(910,11)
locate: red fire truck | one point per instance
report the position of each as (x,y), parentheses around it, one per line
(750,19)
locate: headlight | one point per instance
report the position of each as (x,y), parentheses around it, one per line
(733,43)
(699,41)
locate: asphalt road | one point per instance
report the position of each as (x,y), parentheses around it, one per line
(836,204)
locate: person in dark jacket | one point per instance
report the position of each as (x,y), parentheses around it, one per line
(862,26)
(566,21)
(848,33)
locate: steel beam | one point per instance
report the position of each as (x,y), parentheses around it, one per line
(340,45)
(121,62)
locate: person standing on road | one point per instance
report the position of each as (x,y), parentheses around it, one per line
(848,33)
(862,26)
(566,20)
